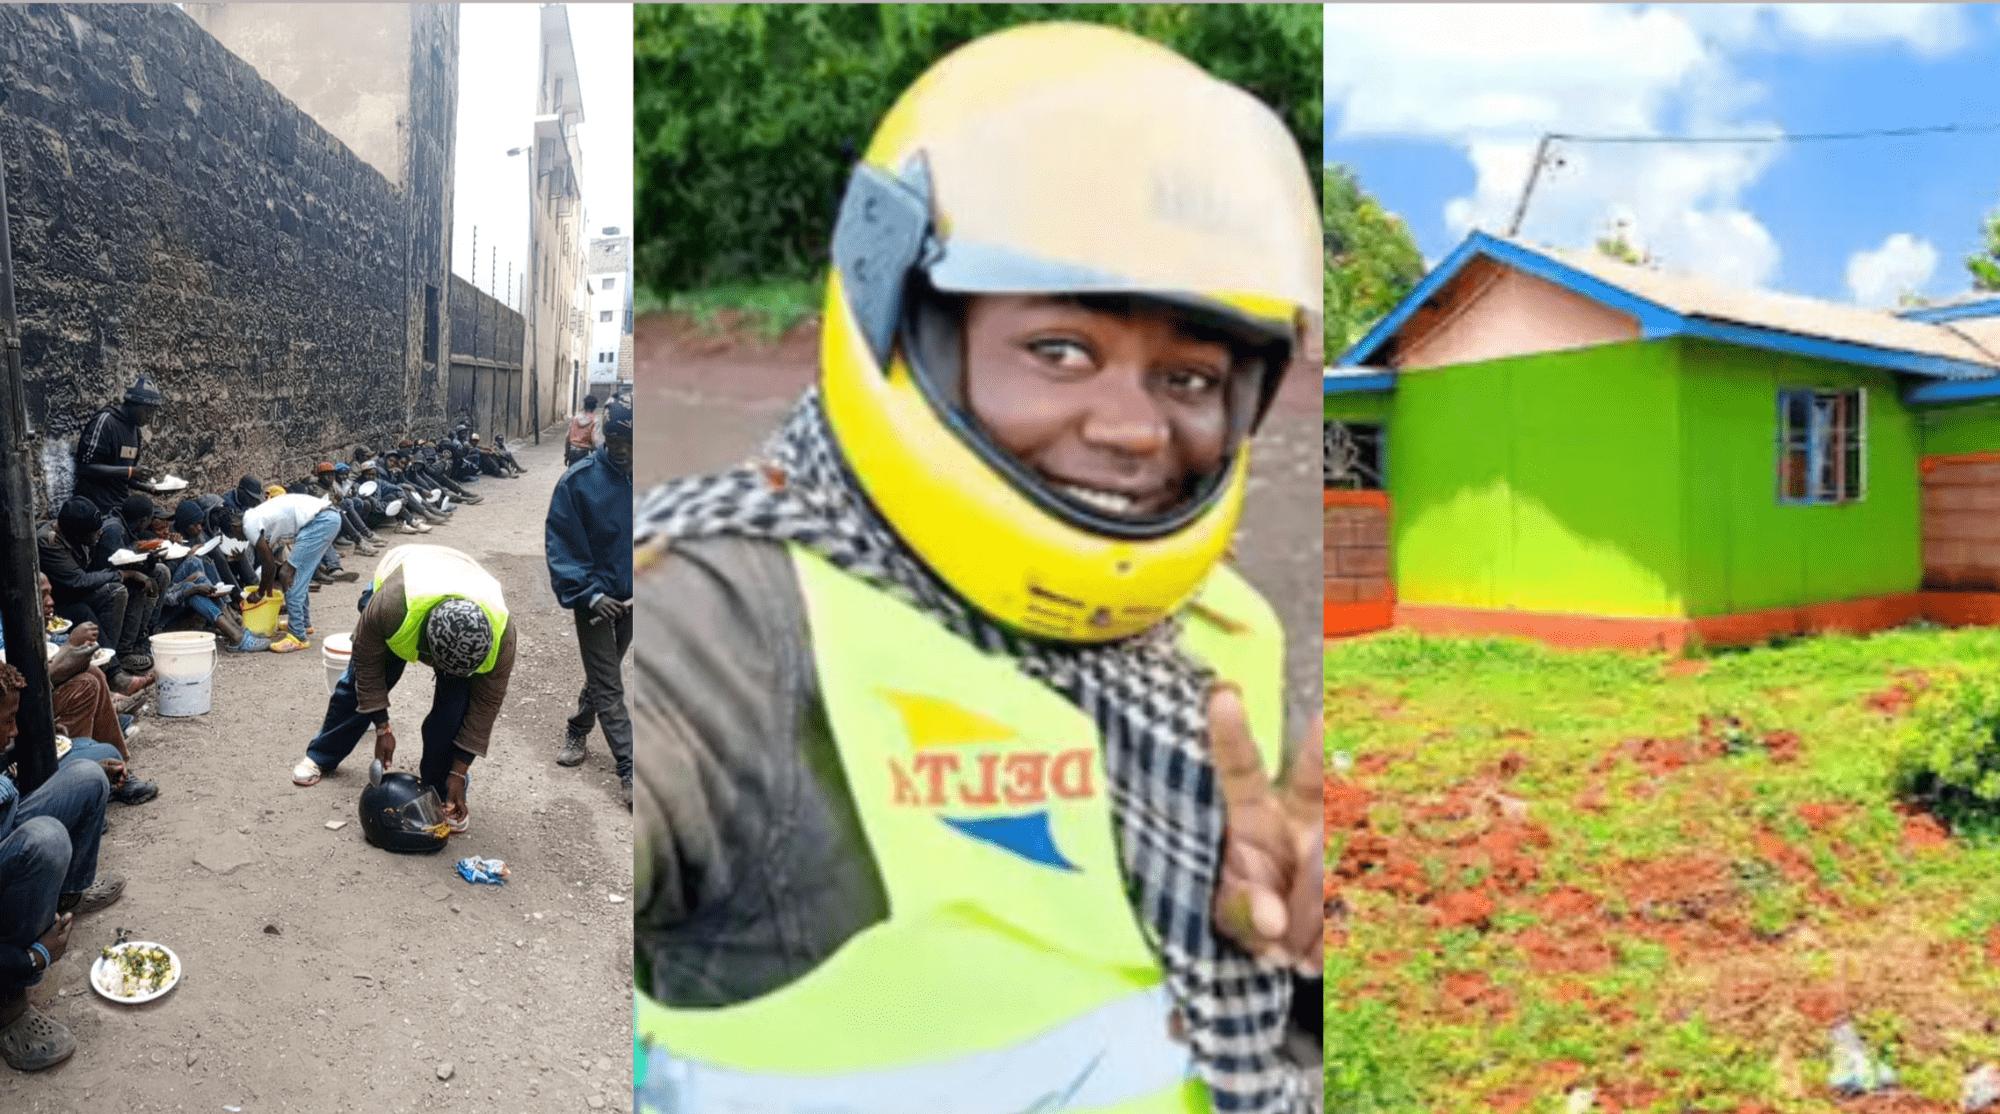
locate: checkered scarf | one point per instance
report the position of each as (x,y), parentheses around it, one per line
(1147,698)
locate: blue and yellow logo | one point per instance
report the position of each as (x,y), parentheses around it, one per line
(982,781)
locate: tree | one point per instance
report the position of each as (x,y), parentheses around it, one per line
(1985,263)
(748,118)
(1371,261)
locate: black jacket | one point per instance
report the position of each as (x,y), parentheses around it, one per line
(108,449)
(67,567)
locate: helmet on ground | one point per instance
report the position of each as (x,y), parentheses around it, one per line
(274,490)
(400,813)
(459,636)
(1064,160)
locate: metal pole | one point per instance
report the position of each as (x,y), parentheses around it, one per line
(1527,191)
(20,567)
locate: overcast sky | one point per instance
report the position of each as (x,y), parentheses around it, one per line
(498,67)
(1437,109)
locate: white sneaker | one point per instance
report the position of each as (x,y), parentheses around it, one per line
(423,527)
(306,772)
(407,528)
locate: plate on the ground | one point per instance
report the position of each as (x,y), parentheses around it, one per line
(103,657)
(125,557)
(203,549)
(169,483)
(175,551)
(135,971)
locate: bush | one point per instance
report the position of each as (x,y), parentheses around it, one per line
(747,118)
(1948,757)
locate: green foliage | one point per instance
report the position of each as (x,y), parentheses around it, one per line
(748,118)
(1985,263)
(1949,753)
(1371,261)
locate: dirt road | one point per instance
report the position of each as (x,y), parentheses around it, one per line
(325,975)
(721,397)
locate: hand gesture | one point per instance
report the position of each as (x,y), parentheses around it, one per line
(1269,898)
(608,609)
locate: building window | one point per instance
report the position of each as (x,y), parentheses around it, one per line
(604,316)
(1353,460)
(1822,446)
(430,324)
(611,284)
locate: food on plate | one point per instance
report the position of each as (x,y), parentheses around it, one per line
(58,625)
(130,970)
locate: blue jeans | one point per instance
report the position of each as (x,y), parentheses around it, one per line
(67,809)
(90,750)
(194,570)
(343,727)
(313,542)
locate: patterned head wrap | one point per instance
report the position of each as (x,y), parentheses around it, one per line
(460,637)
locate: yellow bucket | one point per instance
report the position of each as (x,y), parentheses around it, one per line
(265,616)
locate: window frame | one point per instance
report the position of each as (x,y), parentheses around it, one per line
(1832,429)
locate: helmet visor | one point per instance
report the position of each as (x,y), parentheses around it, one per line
(421,814)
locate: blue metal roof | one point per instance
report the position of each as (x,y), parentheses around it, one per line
(1655,321)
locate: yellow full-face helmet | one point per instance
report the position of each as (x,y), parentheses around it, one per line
(1058,159)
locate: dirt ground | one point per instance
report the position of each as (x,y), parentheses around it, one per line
(722,395)
(324,974)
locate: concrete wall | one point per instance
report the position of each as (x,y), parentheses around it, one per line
(175,214)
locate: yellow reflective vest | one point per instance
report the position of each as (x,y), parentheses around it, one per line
(431,575)
(1010,974)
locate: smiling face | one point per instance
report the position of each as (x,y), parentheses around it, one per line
(1121,410)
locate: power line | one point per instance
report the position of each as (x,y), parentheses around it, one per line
(1542,147)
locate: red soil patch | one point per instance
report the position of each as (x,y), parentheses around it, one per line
(1823,815)
(1898,1102)
(1370,765)
(1567,904)
(1924,832)
(1782,746)
(1790,862)
(1469,908)
(1685,667)
(1993,945)
(1577,951)
(1346,804)
(1714,737)
(1897,698)
(1472,992)
(1512,763)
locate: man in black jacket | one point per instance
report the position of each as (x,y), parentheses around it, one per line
(107,455)
(102,596)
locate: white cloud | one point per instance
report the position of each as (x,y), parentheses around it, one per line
(1879,277)
(1492,78)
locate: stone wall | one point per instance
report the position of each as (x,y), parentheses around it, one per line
(486,350)
(174,215)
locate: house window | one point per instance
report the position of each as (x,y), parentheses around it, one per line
(611,284)
(1353,459)
(1822,446)
(604,316)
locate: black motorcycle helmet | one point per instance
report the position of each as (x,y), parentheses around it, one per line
(401,813)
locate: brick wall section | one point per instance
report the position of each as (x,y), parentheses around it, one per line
(1357,553)
(174,215)
(1961,525)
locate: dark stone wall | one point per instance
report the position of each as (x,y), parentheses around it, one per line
(174,215)
(483,328)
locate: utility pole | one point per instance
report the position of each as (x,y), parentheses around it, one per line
(1527,191)
(20,566)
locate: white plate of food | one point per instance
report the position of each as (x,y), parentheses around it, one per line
(202,550)
(135,971)
(169,483)
(125,557)
(175,551)
(103,656)
(58,625)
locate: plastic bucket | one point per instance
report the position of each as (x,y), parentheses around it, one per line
(186,664)
(337,651)
(266,615)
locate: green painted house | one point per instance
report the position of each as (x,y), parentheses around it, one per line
(1596,453)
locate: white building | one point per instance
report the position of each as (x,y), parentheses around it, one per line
(610,278)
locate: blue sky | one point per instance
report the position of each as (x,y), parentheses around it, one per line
(1437,109)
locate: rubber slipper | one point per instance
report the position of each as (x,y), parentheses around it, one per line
(35,1041)
(306,774)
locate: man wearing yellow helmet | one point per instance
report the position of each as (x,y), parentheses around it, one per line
(952,724)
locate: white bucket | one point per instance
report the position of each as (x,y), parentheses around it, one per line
(337,650)
(185,661)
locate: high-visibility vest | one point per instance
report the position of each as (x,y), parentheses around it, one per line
(1011,974)
(431,575)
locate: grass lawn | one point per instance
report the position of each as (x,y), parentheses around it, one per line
(1664,879)
(768,310)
